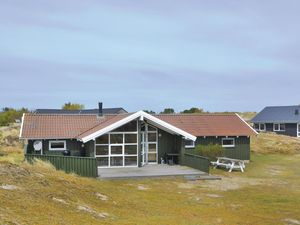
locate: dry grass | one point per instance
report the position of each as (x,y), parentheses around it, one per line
(270,143)
(247,116)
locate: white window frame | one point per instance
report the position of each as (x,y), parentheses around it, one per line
(298,130)
(259,127)
(228,146)
(123,144)
(58,149)
(279,125)
(190,146)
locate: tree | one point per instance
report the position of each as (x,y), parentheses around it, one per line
(149,111)
(168,111)
(193,110)
(72,106)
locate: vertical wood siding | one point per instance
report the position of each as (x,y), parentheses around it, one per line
(83,166)
(240,151)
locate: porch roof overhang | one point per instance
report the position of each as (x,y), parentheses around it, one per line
(142,116)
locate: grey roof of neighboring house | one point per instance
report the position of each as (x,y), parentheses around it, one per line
(106,111)
(278,114)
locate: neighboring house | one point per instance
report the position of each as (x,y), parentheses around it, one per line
(100,110)
(133,139)
(280,119)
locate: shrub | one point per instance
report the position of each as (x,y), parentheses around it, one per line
(212,151)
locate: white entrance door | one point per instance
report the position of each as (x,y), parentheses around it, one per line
(149,145)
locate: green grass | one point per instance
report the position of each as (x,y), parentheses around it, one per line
(267,193)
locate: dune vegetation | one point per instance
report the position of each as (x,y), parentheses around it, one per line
(267,193)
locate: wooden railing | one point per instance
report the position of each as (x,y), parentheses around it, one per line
(83,166)
(196,161)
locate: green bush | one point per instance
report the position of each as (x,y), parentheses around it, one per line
(212,151)
(9,115)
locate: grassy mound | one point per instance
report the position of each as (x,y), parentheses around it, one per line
(270,143)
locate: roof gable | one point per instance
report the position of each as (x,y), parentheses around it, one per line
(117,122)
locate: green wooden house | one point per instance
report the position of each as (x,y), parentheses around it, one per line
(133,139)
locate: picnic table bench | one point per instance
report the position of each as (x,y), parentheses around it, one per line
(229,163)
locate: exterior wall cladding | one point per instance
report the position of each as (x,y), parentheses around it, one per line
(73,146)
(241,150)
(290,129)
(167,143)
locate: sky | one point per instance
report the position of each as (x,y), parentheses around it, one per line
(222,55)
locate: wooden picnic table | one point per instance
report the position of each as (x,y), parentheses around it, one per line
(229,163)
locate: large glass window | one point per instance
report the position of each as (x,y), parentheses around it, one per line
(118,148)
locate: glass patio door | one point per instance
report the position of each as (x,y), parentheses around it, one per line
(149,145)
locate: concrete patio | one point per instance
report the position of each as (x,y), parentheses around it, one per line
(149,171)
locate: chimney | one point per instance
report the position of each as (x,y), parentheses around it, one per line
(100,109)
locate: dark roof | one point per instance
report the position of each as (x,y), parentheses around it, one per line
(59,126)
(278,114)
(106,111)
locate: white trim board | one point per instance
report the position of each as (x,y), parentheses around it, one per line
(21,130)
(140,114)
(246,123)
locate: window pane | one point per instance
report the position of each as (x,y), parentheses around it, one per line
(102,161)
(152,148)
(150,128)
(131,161)
(102,139)
(152,137)
(262,126)
(130,149)
(228,142)
(276,127)
(151,157)
(189,143)
(282,126)
(256,126)
(129,127)
(116,150)
(130,138)
(58,145)
(116,138)
(116,161)
(102,150)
